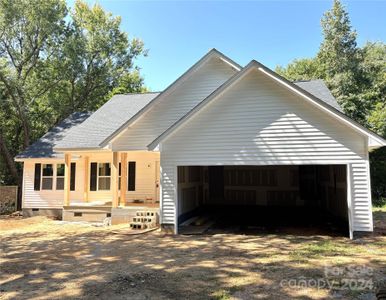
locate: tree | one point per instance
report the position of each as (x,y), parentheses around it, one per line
(28,30)
(300,69)
(97,56)
(54,61)
(338,52)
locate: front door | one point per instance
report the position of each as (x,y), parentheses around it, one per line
(157,181)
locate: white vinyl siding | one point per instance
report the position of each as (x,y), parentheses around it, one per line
(48,198)
(173,106)
(258,122)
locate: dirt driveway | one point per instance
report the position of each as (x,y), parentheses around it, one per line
(45,259)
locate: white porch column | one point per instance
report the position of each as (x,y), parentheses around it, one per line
(67,178)
(86,179)
(123,179)
(114,180)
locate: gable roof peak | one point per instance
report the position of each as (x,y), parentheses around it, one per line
(313,99)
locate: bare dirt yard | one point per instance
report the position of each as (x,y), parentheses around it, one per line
(46,259)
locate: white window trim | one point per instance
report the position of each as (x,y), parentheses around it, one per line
(58,177)
(53,177)
(102,176)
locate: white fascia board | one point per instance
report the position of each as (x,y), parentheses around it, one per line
(70,150)
(373,144)
(183,78)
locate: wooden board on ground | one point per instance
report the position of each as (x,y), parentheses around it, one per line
(194,229)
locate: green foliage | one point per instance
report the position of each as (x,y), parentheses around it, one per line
(378,175)
(356,77)
(300,69)
(338,53)
(53,61)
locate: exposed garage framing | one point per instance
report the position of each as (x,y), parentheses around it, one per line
(316,188)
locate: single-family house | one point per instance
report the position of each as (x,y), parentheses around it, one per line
(221,135)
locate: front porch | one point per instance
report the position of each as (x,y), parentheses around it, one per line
(98,213)
(113,185)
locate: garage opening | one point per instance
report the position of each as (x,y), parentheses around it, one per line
(304,199)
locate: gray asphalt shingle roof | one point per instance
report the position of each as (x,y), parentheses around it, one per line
(319,89)
(43,147)
(105,121)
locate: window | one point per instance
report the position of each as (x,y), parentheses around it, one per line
(72,176)
(131,179)
(119,177)
(104,173)
(60,176)
(47,177)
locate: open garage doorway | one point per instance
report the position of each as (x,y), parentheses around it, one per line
(303,199)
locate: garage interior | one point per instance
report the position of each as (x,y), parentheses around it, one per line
(304,199)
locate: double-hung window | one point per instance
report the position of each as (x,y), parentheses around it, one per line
(60,176)
(51,177)
(47,176)
(104,176)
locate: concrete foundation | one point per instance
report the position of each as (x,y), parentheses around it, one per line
(86,214)
(48,212)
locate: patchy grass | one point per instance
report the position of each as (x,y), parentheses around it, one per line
(46,259)
(221,295)
(320,249)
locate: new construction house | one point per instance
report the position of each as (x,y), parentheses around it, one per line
(221,138)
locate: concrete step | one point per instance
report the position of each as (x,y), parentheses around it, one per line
(146,213)
(85,215)
(139,225)
(144,219)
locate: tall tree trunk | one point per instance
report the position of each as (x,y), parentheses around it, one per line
(8,158)
(26,130)
(11,164)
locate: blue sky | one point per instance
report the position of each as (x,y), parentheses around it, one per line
(178,33)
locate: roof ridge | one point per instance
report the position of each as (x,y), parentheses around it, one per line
(144,93)
(308,80)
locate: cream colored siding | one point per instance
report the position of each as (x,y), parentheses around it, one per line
(175,105)
(258,122)
(77,195)
(145,179)
(145,187)
(145,175)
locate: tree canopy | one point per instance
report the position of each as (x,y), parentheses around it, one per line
(55,60)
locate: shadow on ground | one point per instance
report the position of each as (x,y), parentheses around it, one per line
(98,264)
